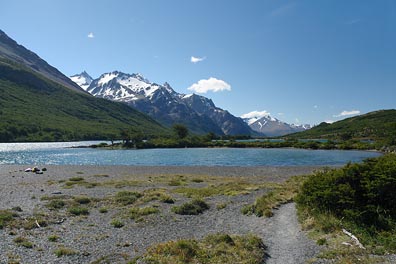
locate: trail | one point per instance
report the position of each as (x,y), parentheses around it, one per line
(286,242)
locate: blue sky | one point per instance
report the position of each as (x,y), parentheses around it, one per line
(301,61)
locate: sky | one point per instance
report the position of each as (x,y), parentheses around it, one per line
(303,62)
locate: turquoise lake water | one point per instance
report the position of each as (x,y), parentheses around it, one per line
(62,154)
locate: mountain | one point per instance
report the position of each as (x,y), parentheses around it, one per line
(229,124)
(273,127)
(378,125)
(83,80)
(36,105)
(11,50)
(164,104)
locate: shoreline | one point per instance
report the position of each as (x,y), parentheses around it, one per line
(92,236)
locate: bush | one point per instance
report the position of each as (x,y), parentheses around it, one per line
(117,223)
(127,197)
(215,248)
(360,193)
(135,213)
(194,207)
(78,210)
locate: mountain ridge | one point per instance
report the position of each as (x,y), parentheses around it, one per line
(376,125)
(34,107)
(273,127)
(164,104)
(13,51)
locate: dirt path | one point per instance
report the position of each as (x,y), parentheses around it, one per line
(285,240)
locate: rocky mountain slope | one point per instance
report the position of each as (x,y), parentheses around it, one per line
(273,127)
(163,103)
(11,50)
(38,103)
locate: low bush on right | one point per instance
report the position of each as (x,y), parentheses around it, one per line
(358,197)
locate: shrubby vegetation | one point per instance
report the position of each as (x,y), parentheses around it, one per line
(216,248)
(359,197)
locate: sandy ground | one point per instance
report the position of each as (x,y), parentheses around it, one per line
(93,238)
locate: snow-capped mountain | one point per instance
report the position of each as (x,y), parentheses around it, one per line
(162,103)
(83,80)
(273,127)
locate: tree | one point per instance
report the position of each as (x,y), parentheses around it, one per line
(180,130)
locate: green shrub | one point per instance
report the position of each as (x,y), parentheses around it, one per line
(82,200)
(117,223)
(357,197)
(53,238)
(56,204)
(362,193)
(6,216)
(23,241)
(216,248)
(135,213)
(63,251)
(76,179)
(195,207)
(127,197)
(77,210)
(103,210)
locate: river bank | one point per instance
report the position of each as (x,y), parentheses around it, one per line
(93,236)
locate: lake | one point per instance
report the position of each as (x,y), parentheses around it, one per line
(61,154)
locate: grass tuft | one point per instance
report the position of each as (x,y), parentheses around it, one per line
(216,248)
(127,197)
(195,207)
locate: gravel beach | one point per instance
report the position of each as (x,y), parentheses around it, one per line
(92,238)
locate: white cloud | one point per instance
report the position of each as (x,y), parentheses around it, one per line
(256,114)
(329,121)
(281,114)
(196,59)
(211,84)
(90,35)
(315,106)
(347,113)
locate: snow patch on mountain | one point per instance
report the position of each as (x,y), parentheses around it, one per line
(83,80)
(164,104)
(264,123)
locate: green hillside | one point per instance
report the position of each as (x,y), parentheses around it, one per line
(33,108)
(379,126)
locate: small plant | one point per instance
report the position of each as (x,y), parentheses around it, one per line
(17,209)
(197,180)
(194,207)
(321,241)
(76,179)
(127,197)
(103,210)
(216,248)
(82,200)
(56,204)
(135,213)
(77,210)
(23,241)
(175,182)
(53,238)
(6,216)
(63,251)
(117,223)
(167,199)
(221,206)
